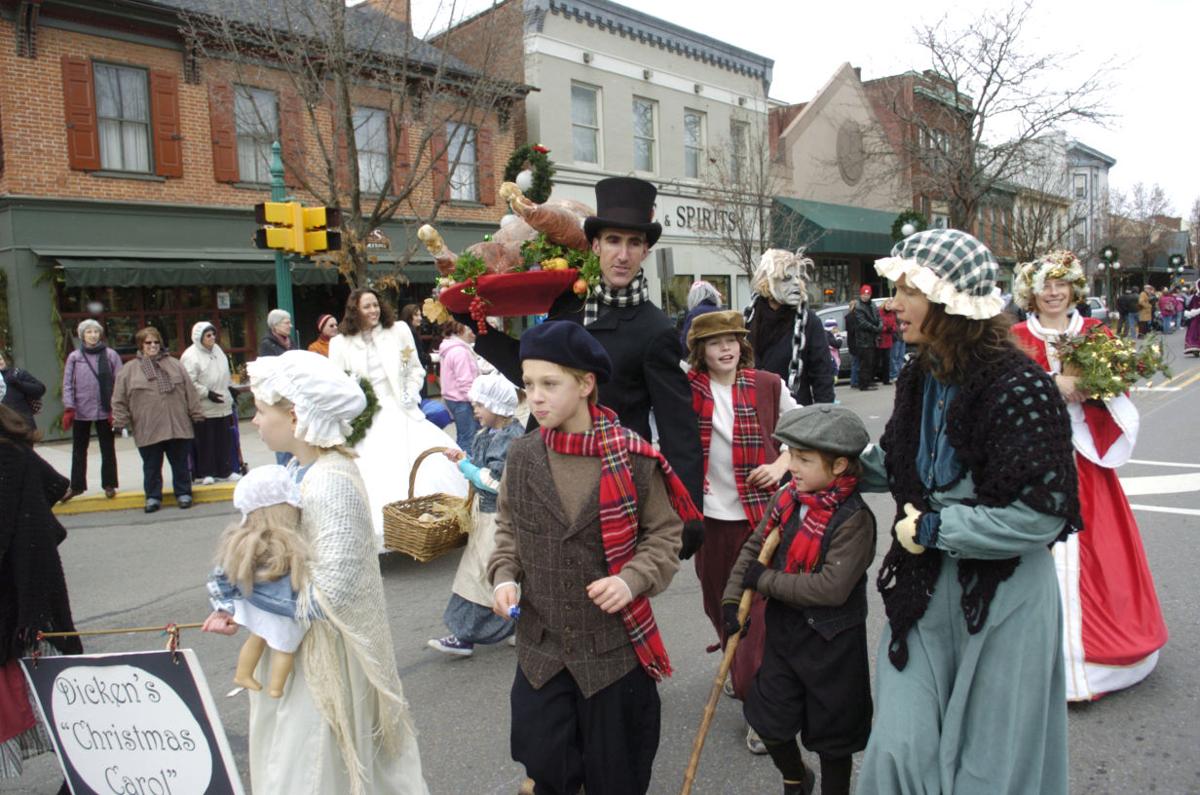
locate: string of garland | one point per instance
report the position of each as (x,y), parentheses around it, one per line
(362,423)
(538,159)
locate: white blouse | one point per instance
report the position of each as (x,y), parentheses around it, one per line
(721,500)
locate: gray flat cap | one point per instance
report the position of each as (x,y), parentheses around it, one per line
(832,429)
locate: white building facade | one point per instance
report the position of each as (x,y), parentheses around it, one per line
(1089,169)
(622,93)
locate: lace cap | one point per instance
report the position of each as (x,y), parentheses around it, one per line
(325,399)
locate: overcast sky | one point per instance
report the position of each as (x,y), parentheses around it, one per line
(1153,137)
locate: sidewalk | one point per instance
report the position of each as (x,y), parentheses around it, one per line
(129,474)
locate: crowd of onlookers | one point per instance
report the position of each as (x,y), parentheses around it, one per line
(1151,309)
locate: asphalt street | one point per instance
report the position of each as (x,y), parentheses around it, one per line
(128,569)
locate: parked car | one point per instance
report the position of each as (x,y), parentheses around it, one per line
(834,319)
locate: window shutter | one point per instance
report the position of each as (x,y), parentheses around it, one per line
(291,137)
(484,148)
(165,126)
(401,158)
(224,132)
(79,97)
(439,166)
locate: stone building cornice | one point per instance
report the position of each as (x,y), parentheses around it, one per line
(638,26)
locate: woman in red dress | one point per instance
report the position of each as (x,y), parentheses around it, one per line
(1113,625)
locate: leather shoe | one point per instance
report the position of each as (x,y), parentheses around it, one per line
(152,505)
(184,501)
(110,492)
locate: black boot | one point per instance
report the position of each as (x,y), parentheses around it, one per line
(835,775)
(797,778)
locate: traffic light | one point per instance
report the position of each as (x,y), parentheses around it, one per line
(281,226)
(321,225)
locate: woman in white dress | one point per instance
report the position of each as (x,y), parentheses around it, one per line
(342,724)
(373,346)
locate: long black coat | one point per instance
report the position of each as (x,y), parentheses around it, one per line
(645,353)
(23,391)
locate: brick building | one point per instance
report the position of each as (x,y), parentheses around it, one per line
(130,163)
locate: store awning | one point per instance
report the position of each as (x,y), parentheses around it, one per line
(169,269)
(824,228)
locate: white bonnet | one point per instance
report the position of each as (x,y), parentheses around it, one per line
(265,486)
(495,393)
(325,399)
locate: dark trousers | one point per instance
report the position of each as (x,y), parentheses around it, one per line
(81,437)
(866,366)
(714,561)
(883,365)
(605,744)
(213,441)
(176,451)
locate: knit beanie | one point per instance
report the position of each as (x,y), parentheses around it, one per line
(951,268)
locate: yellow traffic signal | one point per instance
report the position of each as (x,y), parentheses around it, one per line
(276,213)
(292,227)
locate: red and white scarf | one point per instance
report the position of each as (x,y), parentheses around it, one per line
(805,549)
(613,444)
(749,449)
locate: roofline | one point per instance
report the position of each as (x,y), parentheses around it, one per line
(1096,153)
(624,21)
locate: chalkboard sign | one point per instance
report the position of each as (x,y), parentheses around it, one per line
(134,724)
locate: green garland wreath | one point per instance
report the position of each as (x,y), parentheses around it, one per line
(908,217)
(538,158)
(362,423)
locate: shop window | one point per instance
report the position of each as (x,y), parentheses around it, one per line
(739,140)
(585,123)
(371,143)
(674,295)
(722,285)
(256,116)
(122,117)
(464,165)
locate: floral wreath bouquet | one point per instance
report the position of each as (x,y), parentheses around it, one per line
(538,252)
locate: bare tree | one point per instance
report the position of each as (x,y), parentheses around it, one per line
(385,118)
(971,122)
(1135,225)
(742,179)
(1044,214)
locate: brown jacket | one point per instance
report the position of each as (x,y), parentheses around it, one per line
(1145,308)
(548,540)
(155,416)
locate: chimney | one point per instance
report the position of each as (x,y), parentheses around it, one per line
(858,72)
(399,10)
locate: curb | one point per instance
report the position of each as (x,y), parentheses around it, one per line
(129,500)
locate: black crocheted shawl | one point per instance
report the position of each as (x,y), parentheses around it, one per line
(1011,431)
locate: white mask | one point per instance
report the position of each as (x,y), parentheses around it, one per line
(788,289)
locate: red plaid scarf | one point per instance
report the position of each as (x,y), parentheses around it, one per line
(748,446)
(613,444)
(805,549)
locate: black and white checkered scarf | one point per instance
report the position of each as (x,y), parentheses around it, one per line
(799,339)
(635,293)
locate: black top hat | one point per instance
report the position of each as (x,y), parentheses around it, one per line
(624,203)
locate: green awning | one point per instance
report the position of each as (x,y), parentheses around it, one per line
(824,228)
(130,272)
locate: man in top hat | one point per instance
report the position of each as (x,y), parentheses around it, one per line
(638,336)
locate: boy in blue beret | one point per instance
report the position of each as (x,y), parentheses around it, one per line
(814,680)
(588,527)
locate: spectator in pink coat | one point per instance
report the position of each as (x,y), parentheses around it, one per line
(458,368)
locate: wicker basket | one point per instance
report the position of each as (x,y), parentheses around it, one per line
(403,530)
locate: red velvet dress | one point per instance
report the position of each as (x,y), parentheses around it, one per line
(1113,626)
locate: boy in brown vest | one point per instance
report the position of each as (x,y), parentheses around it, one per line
(588,527)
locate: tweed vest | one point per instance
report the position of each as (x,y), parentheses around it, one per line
(560,627)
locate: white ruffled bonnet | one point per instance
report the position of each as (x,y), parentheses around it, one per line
(951,268)
(325,399)
(265,486)
(495,393)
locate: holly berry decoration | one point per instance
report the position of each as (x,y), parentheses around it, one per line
(478,309)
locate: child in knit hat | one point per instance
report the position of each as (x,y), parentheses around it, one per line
(469,615)
(589,526)
(814,679)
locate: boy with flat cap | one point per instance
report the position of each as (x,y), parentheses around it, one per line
(588,527)
(640,339)
(814,679)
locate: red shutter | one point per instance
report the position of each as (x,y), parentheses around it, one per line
(401,157)
(79,97)
(439,166)
(484,149)
(164,121)
(341,152)
(224,132)
(291,137)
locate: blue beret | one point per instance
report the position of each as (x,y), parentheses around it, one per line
(567,344)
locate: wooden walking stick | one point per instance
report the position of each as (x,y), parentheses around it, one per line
(710,709)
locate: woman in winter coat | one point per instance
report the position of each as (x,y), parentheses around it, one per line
(155,398)
(24,394)
(208,370)
(279,338)
(88,379)
(458,371)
